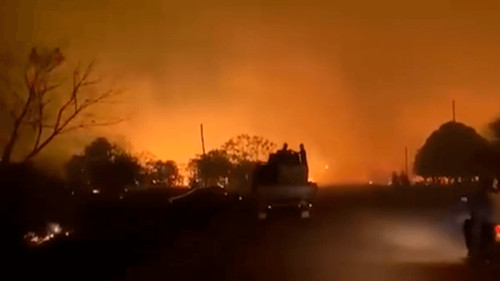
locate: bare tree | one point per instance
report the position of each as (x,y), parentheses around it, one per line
(33,108)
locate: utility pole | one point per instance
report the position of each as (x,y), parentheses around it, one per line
(406,160)
(203,180)
(453,110)
(202,139)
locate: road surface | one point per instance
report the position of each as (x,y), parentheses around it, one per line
(371,233)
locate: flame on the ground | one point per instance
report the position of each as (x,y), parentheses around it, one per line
(53,230)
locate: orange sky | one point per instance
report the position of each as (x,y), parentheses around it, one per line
(354,80)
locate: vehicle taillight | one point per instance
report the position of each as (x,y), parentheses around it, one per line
(497,228)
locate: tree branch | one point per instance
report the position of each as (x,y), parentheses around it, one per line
(17,123)
(68,112)
(60,125)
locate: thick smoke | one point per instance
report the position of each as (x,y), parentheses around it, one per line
(355,82)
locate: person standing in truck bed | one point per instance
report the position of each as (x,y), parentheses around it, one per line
(303,160)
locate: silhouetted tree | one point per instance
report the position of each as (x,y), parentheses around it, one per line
(240,179)
(164,173)
(454,150)
(211,167)
(77,173)
(495,129)
(248,148)
(245,152)
(234,161)
(103,166)
(495,146)
(36,107)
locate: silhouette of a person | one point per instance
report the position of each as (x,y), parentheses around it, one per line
(285,148)
(282,153)
(303,159)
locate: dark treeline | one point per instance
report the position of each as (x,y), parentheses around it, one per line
(112,205)
(105,172)
(106,169)
(232,164)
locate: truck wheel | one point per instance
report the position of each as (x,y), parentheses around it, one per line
(305,214)
(262,215)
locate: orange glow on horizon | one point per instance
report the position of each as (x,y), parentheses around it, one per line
(356,83)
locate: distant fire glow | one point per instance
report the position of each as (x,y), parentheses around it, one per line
(352,85)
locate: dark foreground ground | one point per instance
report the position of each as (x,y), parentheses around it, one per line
(366,233)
